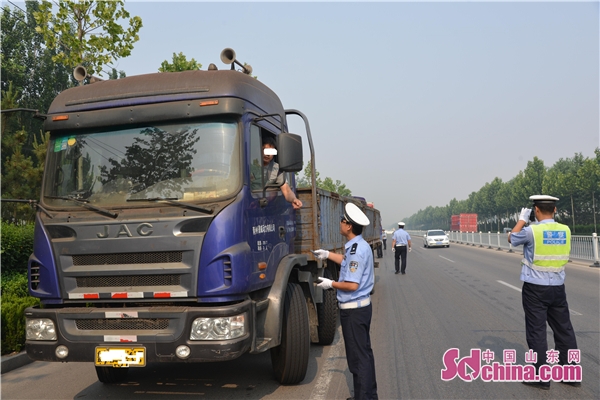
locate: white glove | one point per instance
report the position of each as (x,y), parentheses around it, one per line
(393,249)
(409,249)
(524,216)
(321,254)
(325,283)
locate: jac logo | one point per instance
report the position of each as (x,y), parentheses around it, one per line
(143,229)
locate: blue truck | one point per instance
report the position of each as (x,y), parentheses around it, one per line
(157,238)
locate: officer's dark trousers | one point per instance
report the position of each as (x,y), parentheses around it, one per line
(385,244)
(400,253)
(356,323)
(379,252)
(547,303)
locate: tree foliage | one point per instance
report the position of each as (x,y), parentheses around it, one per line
(180,63)
(87,32)
(326,184)
(30,80)
(37,61)
(575,181)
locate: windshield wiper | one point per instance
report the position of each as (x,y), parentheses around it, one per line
(85,204)
(175,201)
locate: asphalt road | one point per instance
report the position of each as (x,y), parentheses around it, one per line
(463,297)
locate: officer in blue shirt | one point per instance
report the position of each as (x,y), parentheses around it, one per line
(543,275)
(357,278)
(400,242)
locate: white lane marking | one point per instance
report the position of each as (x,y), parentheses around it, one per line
(510,286)
(573,312)
(447,259)
(329,368)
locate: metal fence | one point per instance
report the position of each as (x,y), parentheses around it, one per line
(582,247)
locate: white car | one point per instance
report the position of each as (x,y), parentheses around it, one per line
(436,238)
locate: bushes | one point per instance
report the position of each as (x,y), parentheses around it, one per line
(16,246)
(15,299)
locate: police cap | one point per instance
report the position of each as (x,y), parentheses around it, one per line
(543,199)
(354,215)
(401,223)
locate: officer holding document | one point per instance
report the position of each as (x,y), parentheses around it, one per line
(357,278)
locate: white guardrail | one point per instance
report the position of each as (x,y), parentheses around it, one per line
(582,247)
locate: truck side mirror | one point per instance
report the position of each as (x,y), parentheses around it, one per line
(289,152)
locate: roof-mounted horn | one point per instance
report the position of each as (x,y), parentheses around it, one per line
(228,57)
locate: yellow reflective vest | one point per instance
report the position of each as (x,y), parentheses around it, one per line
(552,246)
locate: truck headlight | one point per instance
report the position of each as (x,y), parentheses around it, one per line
(221,328)
(40,329)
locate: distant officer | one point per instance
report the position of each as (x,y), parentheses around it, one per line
(546,248)
(357,278)
(400,242)
(384,238)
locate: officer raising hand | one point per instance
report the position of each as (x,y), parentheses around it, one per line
(546,248)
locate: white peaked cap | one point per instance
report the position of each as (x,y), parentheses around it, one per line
(355,215)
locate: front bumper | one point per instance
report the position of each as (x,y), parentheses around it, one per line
(440,243)
(159,329)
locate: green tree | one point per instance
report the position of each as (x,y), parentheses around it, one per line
(180,63)
(27,64)
(588,182)
(114,74)
(87,32)
(326,184)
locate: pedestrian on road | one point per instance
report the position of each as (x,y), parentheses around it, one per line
(356,281)
(546,248)
(400,242)
(380,246)
(384,238)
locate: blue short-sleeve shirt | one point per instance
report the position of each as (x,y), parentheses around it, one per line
(401,237)
(357,267)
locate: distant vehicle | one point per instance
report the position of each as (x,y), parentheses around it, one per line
(463,223)
(436,238)
(506,230)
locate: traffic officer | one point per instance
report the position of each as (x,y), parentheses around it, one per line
(357,278)
(400,241)
(546,248)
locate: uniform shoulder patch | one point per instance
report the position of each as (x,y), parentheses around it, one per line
(353,249)
(353,266)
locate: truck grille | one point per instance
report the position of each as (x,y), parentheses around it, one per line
(128,280)
(128,258)
(122,324)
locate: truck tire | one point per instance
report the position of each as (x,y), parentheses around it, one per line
(327,312)
(290,358)
(111,375)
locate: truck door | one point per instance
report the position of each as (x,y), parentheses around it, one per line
(268,238)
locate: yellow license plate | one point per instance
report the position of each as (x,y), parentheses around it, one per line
(122,357)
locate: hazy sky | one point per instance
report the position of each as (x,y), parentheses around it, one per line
(411,104)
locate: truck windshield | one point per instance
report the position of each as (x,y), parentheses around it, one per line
(189,162)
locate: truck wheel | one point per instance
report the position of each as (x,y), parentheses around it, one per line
(327,313)
(290,358)
(111,375)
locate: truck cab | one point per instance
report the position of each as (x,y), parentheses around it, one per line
(155,242)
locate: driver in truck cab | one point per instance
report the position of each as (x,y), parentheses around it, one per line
(272,174)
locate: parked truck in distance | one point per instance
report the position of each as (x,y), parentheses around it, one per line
(159,239)
(464,223)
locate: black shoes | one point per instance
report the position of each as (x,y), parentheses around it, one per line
(403,273)
(539,385)
(574,384)
(395,273)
